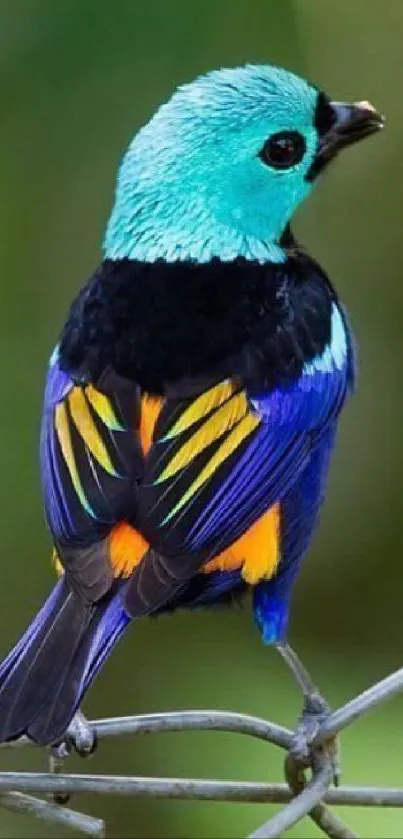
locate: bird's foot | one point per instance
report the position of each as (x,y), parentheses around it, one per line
(302,750)
(79,736)
(82,735)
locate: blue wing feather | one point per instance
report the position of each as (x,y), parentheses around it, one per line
(318,398)
(258,480)
(299,514)
(293,420)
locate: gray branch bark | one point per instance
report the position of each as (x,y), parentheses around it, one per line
(299,799)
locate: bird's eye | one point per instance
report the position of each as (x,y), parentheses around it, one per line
(283,150)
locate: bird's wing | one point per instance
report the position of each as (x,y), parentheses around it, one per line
(220,461)
(299,515)
(91,460)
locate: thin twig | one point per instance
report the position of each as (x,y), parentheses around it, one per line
(183,721)
(331,824)
(45,782)
(52,813)
(361,705)
(299,807)
(193,788)
(196,720)
(324,818)
(240,723)
(309,800)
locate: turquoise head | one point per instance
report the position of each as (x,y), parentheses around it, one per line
(221,167)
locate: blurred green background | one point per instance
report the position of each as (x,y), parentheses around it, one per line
(77,79)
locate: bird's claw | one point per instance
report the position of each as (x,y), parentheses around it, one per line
(302,750)
(80,736)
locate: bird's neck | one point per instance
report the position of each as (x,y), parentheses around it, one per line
(194,242)
(149,223)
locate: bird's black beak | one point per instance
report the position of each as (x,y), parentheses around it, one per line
(339,125)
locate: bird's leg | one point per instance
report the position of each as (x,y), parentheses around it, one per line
(314,711)
(80,736)
(58,754)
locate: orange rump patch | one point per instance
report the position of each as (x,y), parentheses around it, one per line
(256,552)
(150,411)
(127,545)
(127,548)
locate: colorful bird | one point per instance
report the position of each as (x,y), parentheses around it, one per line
(192,400)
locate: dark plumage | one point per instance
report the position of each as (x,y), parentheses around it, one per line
(159,323)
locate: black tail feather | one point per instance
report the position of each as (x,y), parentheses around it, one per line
(43,679)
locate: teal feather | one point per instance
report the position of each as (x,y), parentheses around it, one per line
(192,185)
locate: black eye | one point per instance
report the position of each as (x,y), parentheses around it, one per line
(283,150)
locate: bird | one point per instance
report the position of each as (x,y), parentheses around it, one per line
(193,396)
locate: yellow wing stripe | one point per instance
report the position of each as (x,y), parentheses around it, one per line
(234,439)
(223,419)
(212,398)
(64,437)
(103,408)
(85,425)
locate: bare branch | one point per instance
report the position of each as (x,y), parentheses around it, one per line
(183,721)
(299,807)
(299,802)
(331,825)
(52,813)
(323,817)
(361,705)
(192,788)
